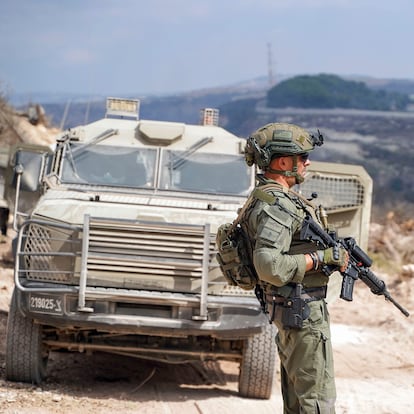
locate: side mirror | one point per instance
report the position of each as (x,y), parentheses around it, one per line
(23,185)
(29,166)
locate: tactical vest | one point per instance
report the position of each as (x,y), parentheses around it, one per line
(269,194)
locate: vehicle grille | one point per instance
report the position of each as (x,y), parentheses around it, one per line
(47,253)
(120,254)
(147,255)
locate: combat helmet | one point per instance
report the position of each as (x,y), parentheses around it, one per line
(276,140)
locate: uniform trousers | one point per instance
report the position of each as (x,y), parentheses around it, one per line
(306,363)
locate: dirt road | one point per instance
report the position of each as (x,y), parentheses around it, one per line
(374,357)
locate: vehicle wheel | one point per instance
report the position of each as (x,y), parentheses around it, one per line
(26,357)
(258,365)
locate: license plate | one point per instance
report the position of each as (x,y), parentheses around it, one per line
(45,304)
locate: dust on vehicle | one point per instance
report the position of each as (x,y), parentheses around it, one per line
(115,249)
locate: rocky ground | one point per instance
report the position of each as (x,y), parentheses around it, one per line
(373,355)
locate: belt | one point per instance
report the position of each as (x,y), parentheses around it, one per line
(315,293)
(309,294)
(275,299)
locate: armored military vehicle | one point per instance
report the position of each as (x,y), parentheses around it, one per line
(115,250)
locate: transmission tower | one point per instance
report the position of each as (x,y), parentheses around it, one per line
(270,65)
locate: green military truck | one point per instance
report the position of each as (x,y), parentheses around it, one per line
(115,248)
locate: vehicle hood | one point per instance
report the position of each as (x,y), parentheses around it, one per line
(71,207)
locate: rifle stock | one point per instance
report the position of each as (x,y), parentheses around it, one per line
(358,264)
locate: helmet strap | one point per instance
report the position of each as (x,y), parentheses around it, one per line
(292,173)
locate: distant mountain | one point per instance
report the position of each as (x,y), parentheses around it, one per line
(260,83)
(179,108)
(68,110)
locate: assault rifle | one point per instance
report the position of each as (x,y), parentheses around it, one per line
(358,264)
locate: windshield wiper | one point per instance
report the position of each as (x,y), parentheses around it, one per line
(70,158)
(106,134)
(182,159)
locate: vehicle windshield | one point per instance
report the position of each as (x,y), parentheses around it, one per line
(110,165)
(205,173)
(135,167)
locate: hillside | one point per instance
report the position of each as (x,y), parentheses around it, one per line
(31,126)
(331,91)
(378,140)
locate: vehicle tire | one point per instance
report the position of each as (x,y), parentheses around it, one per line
(26,357)
(258,365)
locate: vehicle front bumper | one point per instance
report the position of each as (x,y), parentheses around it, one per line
(145,313)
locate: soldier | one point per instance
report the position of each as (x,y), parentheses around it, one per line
(289,269)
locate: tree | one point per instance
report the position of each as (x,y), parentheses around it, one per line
(331,91)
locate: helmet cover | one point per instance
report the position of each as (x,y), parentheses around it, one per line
(278,139)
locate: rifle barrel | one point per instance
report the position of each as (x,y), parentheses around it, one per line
(395,303)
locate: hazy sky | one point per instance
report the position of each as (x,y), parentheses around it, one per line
(166,46)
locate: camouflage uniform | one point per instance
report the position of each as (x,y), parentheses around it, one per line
(307,376)
(307,373)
